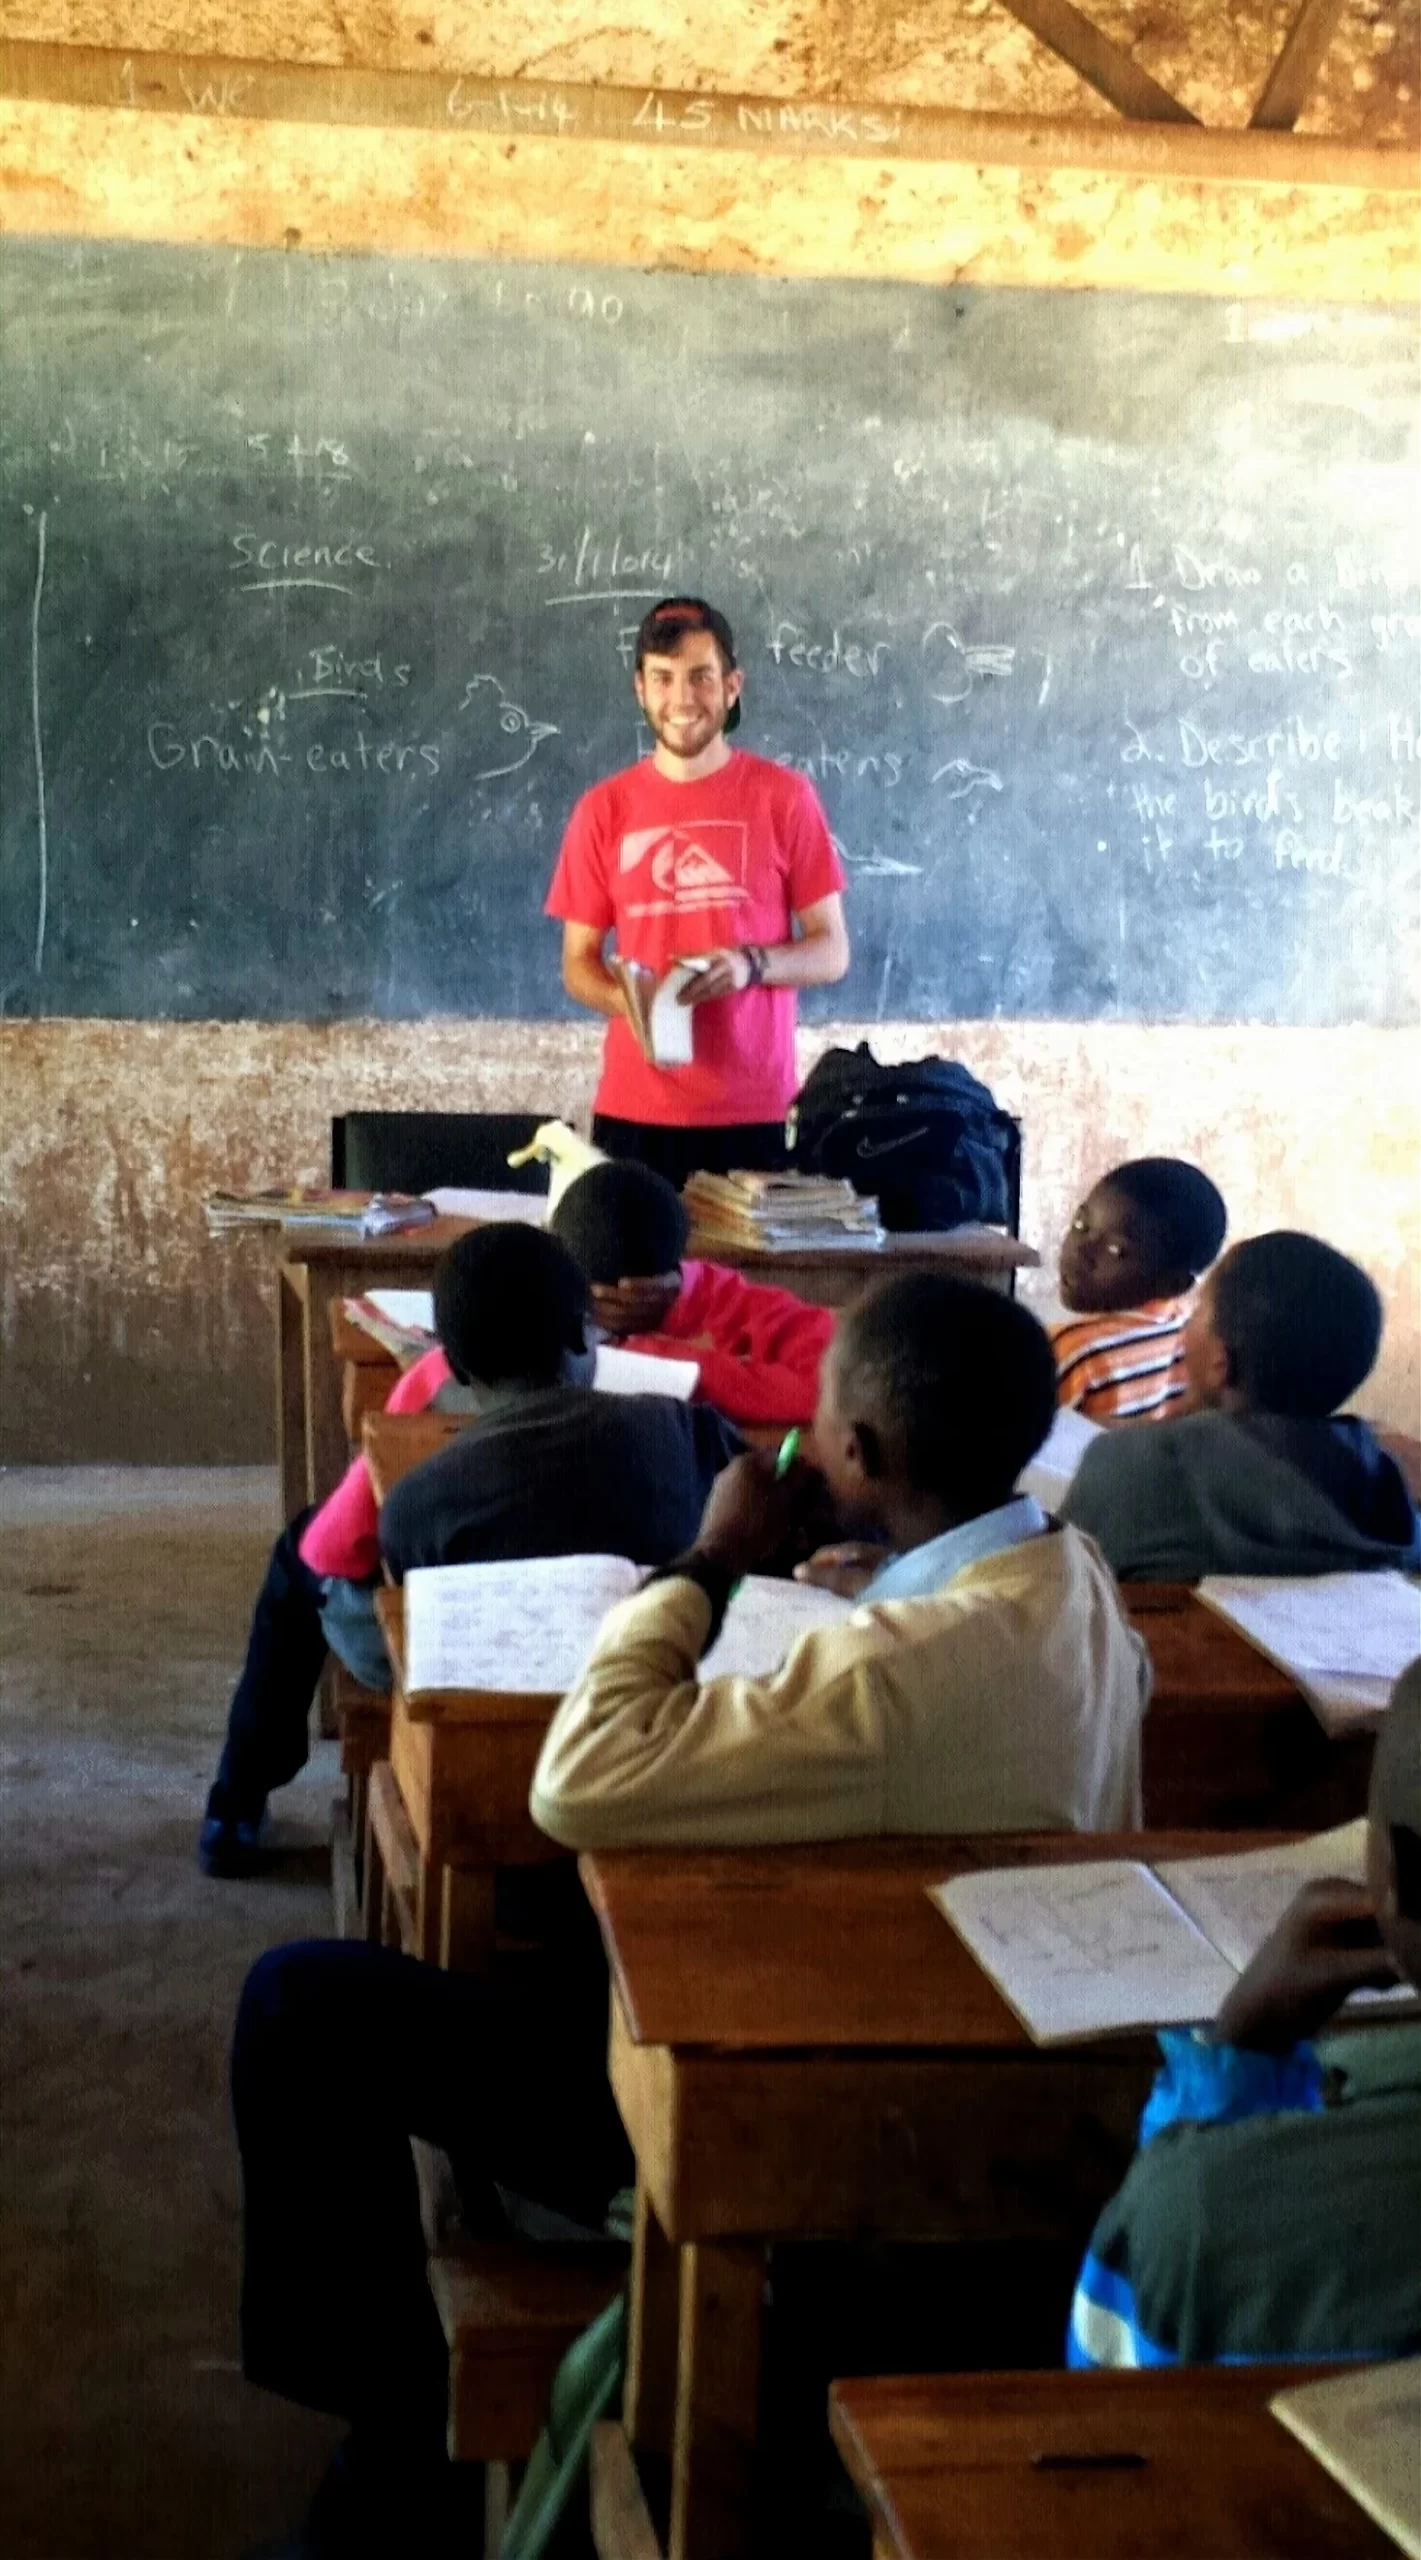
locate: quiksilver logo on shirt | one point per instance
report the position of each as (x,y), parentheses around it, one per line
(689,867)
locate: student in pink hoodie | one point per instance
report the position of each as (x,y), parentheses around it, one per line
(759,1350)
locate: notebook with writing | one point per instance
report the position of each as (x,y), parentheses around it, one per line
(1345,1638)
(1113,1945)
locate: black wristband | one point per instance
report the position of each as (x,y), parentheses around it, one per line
(756,960)
(713,1578)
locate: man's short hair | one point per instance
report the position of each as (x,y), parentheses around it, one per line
(963,1378)
(1301,1324)
(621,1222)
(508,1303)
(1181,1203)
(668,624)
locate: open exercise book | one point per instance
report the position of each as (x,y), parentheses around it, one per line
(526,1629)
(1345,1638)
(1365,2428)
(1110,1945)
(403,1320)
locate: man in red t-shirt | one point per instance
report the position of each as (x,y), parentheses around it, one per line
(701,850)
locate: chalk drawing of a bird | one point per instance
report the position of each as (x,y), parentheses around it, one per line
(876,864)
(514,722)
(967,661)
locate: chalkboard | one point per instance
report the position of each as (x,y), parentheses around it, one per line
(1094,619)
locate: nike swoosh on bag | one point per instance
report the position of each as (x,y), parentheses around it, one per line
(870,1147)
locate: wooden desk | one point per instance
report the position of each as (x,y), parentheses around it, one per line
(1228,1740)
(318,1268)
(977,2466)
(801,2047)
(463,1761)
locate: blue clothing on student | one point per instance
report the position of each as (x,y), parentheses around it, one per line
(925,1569)
(1267,2213)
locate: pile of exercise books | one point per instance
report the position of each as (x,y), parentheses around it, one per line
(779,1209)
(356,1213)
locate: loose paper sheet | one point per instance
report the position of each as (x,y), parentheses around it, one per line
(519,1629)
(643,1373)
(764,1621)
(1050,1472)
(1365,2428)
(1084,1950)
(411,1308)
(1344,1637)
(525,1208)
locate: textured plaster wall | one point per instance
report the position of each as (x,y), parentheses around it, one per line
(124,1332)
(128,1334)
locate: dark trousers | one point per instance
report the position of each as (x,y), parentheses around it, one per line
(267,1721)
(341,2052)
(749,1146)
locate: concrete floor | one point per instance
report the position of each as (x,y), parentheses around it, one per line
(128,2433)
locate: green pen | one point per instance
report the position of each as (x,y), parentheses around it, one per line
(788,1451)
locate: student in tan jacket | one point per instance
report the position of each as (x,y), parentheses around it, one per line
(986,1679)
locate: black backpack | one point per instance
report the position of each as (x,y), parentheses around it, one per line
(926,1139)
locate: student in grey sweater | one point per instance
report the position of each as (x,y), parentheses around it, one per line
(1261,1474)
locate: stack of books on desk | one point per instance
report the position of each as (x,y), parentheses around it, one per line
(356,1213)
(780,1209)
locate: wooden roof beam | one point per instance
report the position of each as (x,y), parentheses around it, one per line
(1286,90)
(1105,66)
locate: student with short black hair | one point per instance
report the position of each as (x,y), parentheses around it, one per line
(1260,1474)
(548,1466)
(986,1680)
(758,1349)
(1271,2211)
(556,1470)
(1132,1254)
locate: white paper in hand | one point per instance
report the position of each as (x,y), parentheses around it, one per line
(643,1373)
(1049,1475)
(520,1629)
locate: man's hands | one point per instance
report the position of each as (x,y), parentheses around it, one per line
(847,1568)
(620,1307)
(1326,1946)
(754,1512)
(720,973)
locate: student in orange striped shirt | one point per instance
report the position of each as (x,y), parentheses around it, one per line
(1133,1252)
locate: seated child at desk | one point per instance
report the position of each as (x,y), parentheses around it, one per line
(1261,1473)
(759,1349)
(546,1467)
(1132,1254)
(986,1680)
(991,1682)
(1272,2210)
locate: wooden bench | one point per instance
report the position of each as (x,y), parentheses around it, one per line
(1093,2466)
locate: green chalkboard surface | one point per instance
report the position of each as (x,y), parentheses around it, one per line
(1095,619)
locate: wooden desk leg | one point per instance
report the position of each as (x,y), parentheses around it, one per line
(374,1919)
(717,2398)
(291,1455)
(649,2400)
(466,1920)
(327,1449)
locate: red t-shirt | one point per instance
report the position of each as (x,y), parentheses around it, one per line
(680,867)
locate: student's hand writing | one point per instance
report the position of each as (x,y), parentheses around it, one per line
(721,973)
(620,1307)
(846,1568)
(753,1511)
(1326,1946)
